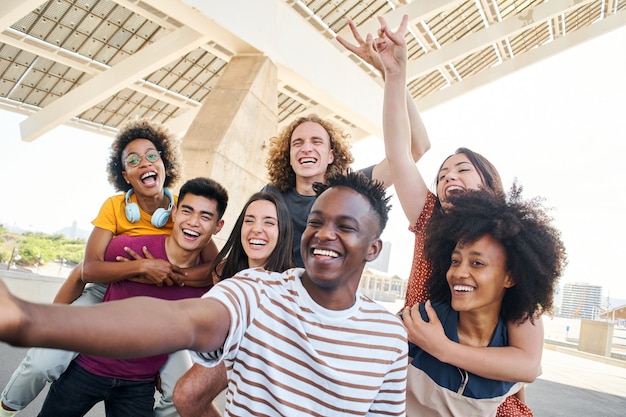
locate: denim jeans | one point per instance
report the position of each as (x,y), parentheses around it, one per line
(77,391)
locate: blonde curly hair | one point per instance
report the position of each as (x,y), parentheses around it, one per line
(279,170)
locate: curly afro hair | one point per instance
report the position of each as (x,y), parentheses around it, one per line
(167,144)
(535,253)
(279,170)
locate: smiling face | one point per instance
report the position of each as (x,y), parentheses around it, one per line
(259,232)
(147,178)
(457,174)
(342,234)
(310,152)
(478,276)
(196,220)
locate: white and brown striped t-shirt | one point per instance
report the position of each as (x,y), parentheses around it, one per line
(286,355)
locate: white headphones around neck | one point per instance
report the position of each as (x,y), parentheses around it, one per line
(160,216)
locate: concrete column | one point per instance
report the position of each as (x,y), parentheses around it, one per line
(596,337)
(227,139)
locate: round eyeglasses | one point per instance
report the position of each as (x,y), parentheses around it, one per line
(133,159)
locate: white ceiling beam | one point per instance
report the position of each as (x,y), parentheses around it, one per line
(488,10)
(168,18)
(477,41)
(531,57)
(151,13)
(52,52)
(304,57)
(108,83)
(88,66)
(203,21)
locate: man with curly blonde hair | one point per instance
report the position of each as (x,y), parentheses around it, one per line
(309,150)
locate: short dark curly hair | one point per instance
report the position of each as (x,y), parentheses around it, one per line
(373,190)
(163,140)
(535,253)
(279,170)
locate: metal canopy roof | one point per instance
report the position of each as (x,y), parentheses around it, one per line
(618,313)
(97,63)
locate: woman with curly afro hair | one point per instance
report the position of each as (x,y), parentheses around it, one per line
(461,172)
(494,261)
(144,159)
(168,147)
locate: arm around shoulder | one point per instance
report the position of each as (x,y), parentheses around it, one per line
(518,362)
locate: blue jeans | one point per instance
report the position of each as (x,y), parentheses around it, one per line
(77,391)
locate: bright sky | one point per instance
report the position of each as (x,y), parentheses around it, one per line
(556,126)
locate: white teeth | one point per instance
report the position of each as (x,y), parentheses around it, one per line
(323,252)
(453,189)
(191,232)
(257,242)
(463,288)
(308,160)
(148,174)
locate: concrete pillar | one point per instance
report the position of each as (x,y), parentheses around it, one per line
(227,139)
(596,337)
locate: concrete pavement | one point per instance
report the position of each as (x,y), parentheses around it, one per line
(10,359)
(578,384)
(572,384)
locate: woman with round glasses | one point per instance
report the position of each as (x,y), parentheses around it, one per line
(144,160)
(134,159)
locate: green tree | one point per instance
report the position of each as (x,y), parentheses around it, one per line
(37,247)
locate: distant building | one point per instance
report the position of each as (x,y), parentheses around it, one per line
(382,262)
(381,286)
(618,313)
(580,301)
(73,232)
